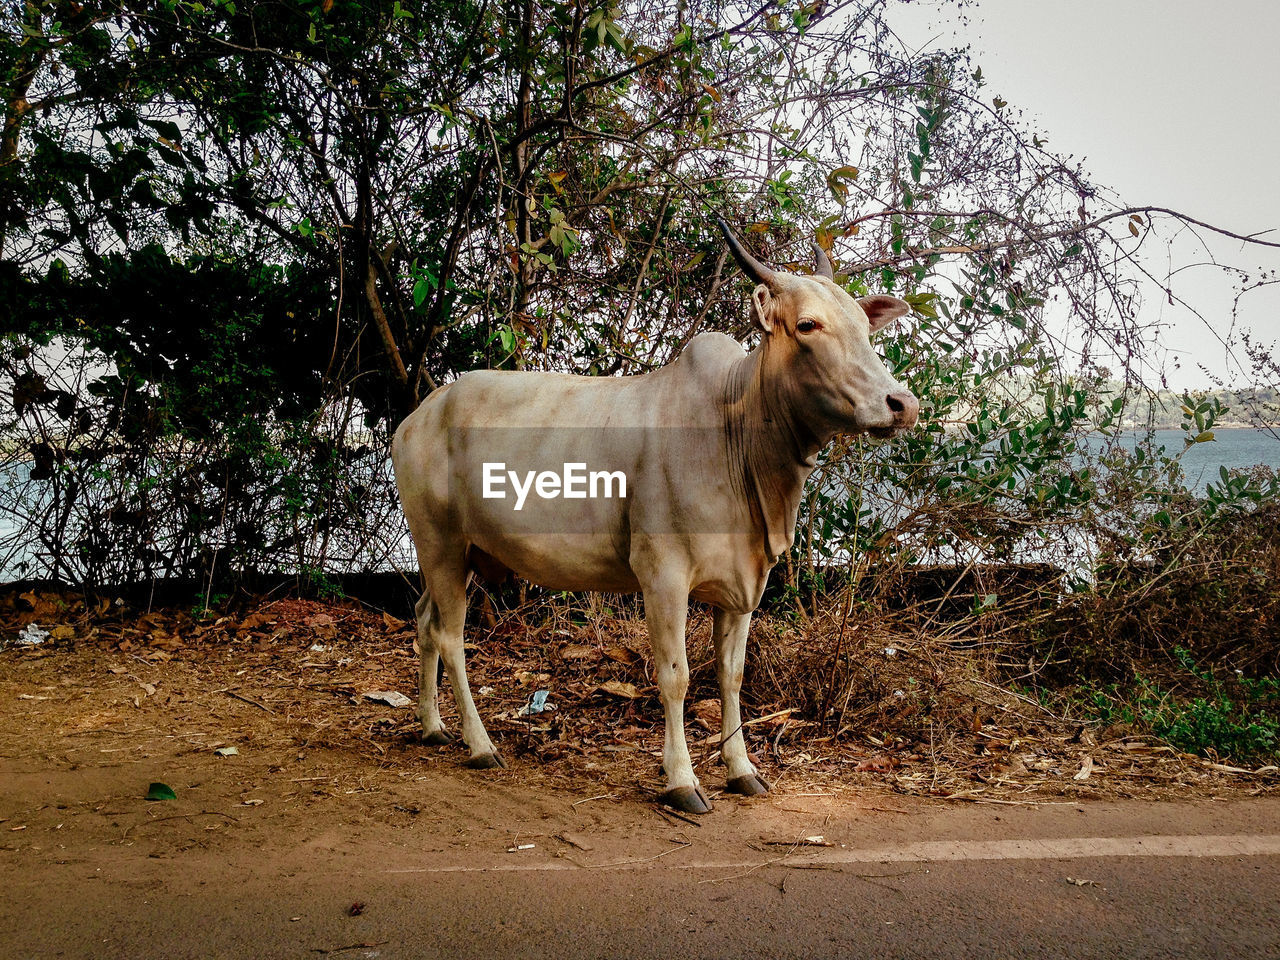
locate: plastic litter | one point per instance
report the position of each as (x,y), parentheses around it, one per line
(392,698)
(32,634)
(537,704)
(161,791)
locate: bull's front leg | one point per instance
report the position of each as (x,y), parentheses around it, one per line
(730,635)
(665,611)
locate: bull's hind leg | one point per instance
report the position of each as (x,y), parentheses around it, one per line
(433,730)
(448,591)
(730,635)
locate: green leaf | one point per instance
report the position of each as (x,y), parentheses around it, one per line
(166,128)
(923,304)
(421,290)
(917,166)
(161,791)
(613,36)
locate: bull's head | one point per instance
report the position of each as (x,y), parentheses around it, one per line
(819,337)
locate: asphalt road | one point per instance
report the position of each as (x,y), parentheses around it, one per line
(1120,879)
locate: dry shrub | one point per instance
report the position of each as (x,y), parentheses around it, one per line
(1209,587)
(858,671)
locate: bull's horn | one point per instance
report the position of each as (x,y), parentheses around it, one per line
(822,263)
(752,267)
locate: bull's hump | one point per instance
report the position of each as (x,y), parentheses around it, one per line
(711,351)
(505,398)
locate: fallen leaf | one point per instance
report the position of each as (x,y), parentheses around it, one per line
(525,678)
(577,651)
(1226,768)
(255,802)
(877,764)
(619,688)
(253,621)
(574,840)
(227,752)
(622,655)
(706,710)
(1086,769)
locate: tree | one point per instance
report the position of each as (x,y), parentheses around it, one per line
(352,201)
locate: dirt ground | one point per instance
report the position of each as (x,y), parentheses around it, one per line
(296,692)
(279,715)
(321,769)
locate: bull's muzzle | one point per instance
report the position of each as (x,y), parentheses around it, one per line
(904,408)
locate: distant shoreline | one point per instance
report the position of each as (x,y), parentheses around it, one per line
(1217,426)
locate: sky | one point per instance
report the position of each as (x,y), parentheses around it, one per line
(1173,103)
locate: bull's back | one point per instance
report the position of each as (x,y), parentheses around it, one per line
(490,432)
(497,433)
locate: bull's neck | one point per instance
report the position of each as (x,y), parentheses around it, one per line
(771,449)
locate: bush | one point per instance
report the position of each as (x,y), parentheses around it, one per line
(1193,710)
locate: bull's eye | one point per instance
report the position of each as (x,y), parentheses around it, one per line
(807,325)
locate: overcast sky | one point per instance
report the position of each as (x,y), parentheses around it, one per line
(1172,103)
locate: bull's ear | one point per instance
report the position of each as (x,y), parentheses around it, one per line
(881,309)
(762,305)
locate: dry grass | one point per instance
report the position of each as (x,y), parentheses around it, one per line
(835,701)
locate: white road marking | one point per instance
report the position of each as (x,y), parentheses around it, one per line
(931,851)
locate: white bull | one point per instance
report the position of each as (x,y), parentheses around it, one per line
(715,448)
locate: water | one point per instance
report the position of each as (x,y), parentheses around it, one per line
(1235,449)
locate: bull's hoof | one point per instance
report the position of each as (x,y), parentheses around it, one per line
(748,786)
(486,761)
(687,800)
(438,738)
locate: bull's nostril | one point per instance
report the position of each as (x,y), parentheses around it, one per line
(895,404)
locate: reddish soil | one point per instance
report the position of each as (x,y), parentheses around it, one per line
(327,784)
